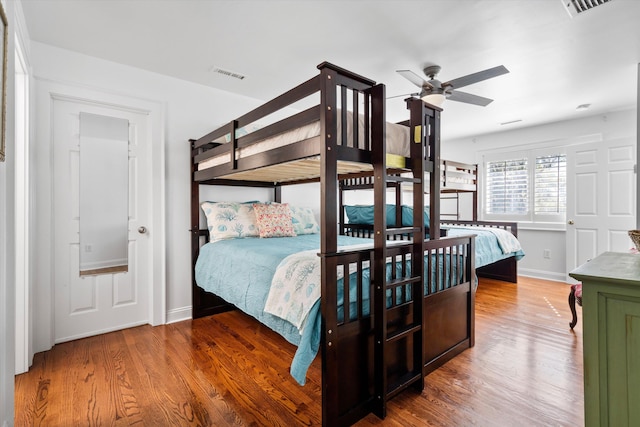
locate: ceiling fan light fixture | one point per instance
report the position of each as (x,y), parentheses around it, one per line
(433,98)
(435,92)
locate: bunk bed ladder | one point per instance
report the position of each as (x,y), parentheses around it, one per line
(398,342)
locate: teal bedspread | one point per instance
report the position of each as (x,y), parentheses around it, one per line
(240,272)
(490,242)
(488,248)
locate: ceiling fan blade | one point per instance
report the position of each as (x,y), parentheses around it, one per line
(414,78)
(469,98)
(405,95)
(476,77)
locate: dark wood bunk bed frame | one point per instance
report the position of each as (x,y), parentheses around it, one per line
(455,178)
(459,178)
(366,358)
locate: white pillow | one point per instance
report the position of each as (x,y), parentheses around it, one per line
(230,220)
(304,221)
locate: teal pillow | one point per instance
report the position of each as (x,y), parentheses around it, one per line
(363,214)
(407,216)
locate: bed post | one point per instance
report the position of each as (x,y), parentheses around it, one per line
(475,196)
(425,124)
(196,294)
(277,193)
(379,262)
(203,303)
(433,123)
(328,245)
(341,207)
(421,164)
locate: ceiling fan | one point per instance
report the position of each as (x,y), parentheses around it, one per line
(435,92)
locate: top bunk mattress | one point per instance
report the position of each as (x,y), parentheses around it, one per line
(397,147)
(456,176)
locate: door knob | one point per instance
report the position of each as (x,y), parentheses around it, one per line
(570,222)
(142,229)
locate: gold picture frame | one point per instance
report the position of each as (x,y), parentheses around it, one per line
(3,101)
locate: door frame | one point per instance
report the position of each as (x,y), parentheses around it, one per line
(23,211)
(570,249)
(43,305)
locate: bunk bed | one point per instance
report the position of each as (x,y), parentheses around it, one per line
(495,258)
(457,179)
(497,248)
(494,261)
(400,309)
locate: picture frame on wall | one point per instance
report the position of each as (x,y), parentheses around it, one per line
(3,79)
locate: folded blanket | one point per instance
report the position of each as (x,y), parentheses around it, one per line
(507,241)
(296,287)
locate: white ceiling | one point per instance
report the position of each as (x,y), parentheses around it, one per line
(556,63)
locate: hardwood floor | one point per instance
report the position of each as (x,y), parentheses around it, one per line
(525,369)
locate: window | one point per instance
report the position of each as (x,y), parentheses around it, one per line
(507,187)
(550,185)
(527,186)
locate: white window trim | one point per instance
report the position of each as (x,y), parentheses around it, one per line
(498,157)
(546,218)
(508,152)
(531,155)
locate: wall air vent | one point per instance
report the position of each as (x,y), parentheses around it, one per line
(227,73)
(576,7)
(510,122)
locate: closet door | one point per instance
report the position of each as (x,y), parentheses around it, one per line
(96,296)
(600,199)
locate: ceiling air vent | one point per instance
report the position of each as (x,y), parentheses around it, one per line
(576,7)
(227,73)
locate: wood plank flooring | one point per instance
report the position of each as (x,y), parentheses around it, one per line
(525,370)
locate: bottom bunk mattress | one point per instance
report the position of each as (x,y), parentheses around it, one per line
(492,244)
(244,271)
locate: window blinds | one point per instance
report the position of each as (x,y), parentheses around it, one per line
(507,187)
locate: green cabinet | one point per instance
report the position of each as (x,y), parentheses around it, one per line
(611,339)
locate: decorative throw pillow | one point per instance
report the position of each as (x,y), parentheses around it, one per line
(363,214)
(274,220)
(407,216)
(304,221)
(230,220)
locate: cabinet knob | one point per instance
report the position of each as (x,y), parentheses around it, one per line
(570,222)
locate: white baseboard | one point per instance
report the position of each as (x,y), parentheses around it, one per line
(541,274)
(179,314)
(99,332)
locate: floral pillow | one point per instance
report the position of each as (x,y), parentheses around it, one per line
(274,220)
(230,220)
(304,221)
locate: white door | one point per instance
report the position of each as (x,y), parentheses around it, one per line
(601,199)
(93,304)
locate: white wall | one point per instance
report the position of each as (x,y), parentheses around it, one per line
(7,242)
(190,111)
(614,125)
